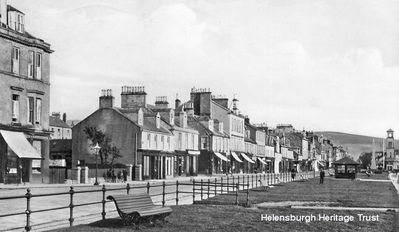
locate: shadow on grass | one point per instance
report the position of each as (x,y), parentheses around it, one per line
(108,223)
(117,223)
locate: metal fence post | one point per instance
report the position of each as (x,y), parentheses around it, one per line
(247,194)
(209,182)
(234,183)
(228,189)
(202,189)
(103,190)
(28,196)
(252,181)
(221,185)
(163,193)
(216,191)
(127,188)
(193,191)
(148,187)
(71,192)
(177,192)
(238,182)
(248,181)
(237,194)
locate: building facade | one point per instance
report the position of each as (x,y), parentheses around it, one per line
(58,127)
(24,101)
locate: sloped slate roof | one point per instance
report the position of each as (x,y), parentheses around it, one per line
(346,160)
(149,124)
(55,121)
(295,140)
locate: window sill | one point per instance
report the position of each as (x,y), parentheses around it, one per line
(23,77)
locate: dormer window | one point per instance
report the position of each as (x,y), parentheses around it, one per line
(16,20)
(20,23)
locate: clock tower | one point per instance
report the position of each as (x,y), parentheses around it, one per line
(390,150)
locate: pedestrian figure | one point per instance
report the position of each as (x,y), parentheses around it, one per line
(322,174)
(293,173)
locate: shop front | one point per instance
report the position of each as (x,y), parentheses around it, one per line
(186,163)
(157,164)
(21,161)
(221,163)
(248,164)
(236,163)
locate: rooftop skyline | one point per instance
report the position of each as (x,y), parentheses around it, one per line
(318,65)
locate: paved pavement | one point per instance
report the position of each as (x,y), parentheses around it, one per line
(42,220)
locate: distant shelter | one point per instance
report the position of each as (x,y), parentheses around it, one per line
(345,168)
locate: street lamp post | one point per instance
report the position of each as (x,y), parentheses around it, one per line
(96,150)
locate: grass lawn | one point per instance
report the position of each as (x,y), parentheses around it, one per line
(381,176)
(343,192)
(236,218)
(222,217)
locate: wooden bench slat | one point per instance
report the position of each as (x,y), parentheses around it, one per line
(141,204)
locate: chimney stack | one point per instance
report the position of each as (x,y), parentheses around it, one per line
(189,108)
(235,105)
(202,101)
(64,118)
(161,102)
(106,99)
(56,114)
(133,96)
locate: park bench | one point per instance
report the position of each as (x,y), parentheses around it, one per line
(137,208)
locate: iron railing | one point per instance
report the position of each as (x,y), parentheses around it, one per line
(230,185)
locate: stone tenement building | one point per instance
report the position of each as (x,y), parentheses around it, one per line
(24,101)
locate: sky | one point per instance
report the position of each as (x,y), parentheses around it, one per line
(321,65)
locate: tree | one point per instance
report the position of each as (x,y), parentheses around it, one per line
(365,159)
(108,152)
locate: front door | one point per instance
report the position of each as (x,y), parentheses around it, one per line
(25,169)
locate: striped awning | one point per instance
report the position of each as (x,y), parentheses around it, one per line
(20,145)
(222,157)
(236,156)
(247,158)
(261,160)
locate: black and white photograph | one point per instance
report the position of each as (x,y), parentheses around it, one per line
(199,115)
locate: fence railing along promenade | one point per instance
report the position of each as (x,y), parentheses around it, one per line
(199,190)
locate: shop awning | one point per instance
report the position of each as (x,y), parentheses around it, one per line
(236,156)
(222,157)
(269,160)
(261,160)
(320,163)
(20,145)
(247,158)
